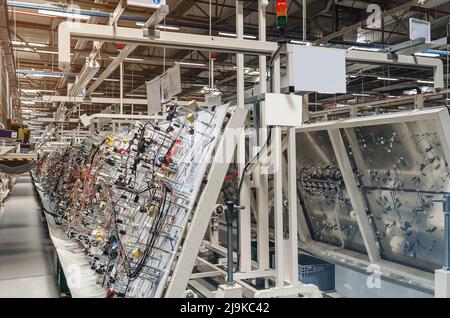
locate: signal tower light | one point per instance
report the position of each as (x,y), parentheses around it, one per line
(282,14)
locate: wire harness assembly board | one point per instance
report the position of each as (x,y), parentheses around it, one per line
(128,197)
(399,166)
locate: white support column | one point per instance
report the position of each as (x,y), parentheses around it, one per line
(244,214)
(278,205)
(262,191)
(278,184)
(355,195)
(303,231)
(292,245)
(442,276)
(121,88)
(276,75)
(291,189)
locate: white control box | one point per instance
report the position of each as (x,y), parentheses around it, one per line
(283,110)
(318,69)
(419,29)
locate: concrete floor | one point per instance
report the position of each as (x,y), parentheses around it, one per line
(26,252)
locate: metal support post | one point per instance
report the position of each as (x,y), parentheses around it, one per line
(121,88)
(261,178)
(245,215)
(442,276)
(292,246)
(230,212)
(355,196)
(278,184)
(278,205)
(447,233)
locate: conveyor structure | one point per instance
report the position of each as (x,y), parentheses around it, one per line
(126,198)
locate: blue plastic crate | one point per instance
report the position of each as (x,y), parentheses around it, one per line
(315,271)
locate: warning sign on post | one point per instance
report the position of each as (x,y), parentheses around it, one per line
(146,3)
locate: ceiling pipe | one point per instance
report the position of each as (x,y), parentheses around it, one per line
(193,25)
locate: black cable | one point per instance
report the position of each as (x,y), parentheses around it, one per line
(251,161)
(155,231)
(272,58)
(95,153)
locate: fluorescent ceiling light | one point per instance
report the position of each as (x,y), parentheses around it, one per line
(131,59)
(300,42)
(70,15)
(252,73)
(28,102)
(360,95)
(387,79)
(426,54)
(136,95)
(33,91)
(29,44)
(107,80)
(425,82)
(362,48)
(168,27)
(134,59)
(46,52)
(37,75)
(191,64)
(233,35)
(163,27)
(24,49)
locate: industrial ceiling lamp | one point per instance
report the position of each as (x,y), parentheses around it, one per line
(89,70)
(282,15)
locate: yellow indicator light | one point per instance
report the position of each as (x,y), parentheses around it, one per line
(109,141)
(137,253)
(193,105)
(190,118)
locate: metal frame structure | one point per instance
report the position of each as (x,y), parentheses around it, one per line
(285,275)
(184,266)
(400,273)
(95,32)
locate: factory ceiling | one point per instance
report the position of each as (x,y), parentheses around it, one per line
(333,23)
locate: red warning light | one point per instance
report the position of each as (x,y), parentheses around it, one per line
(282,12)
